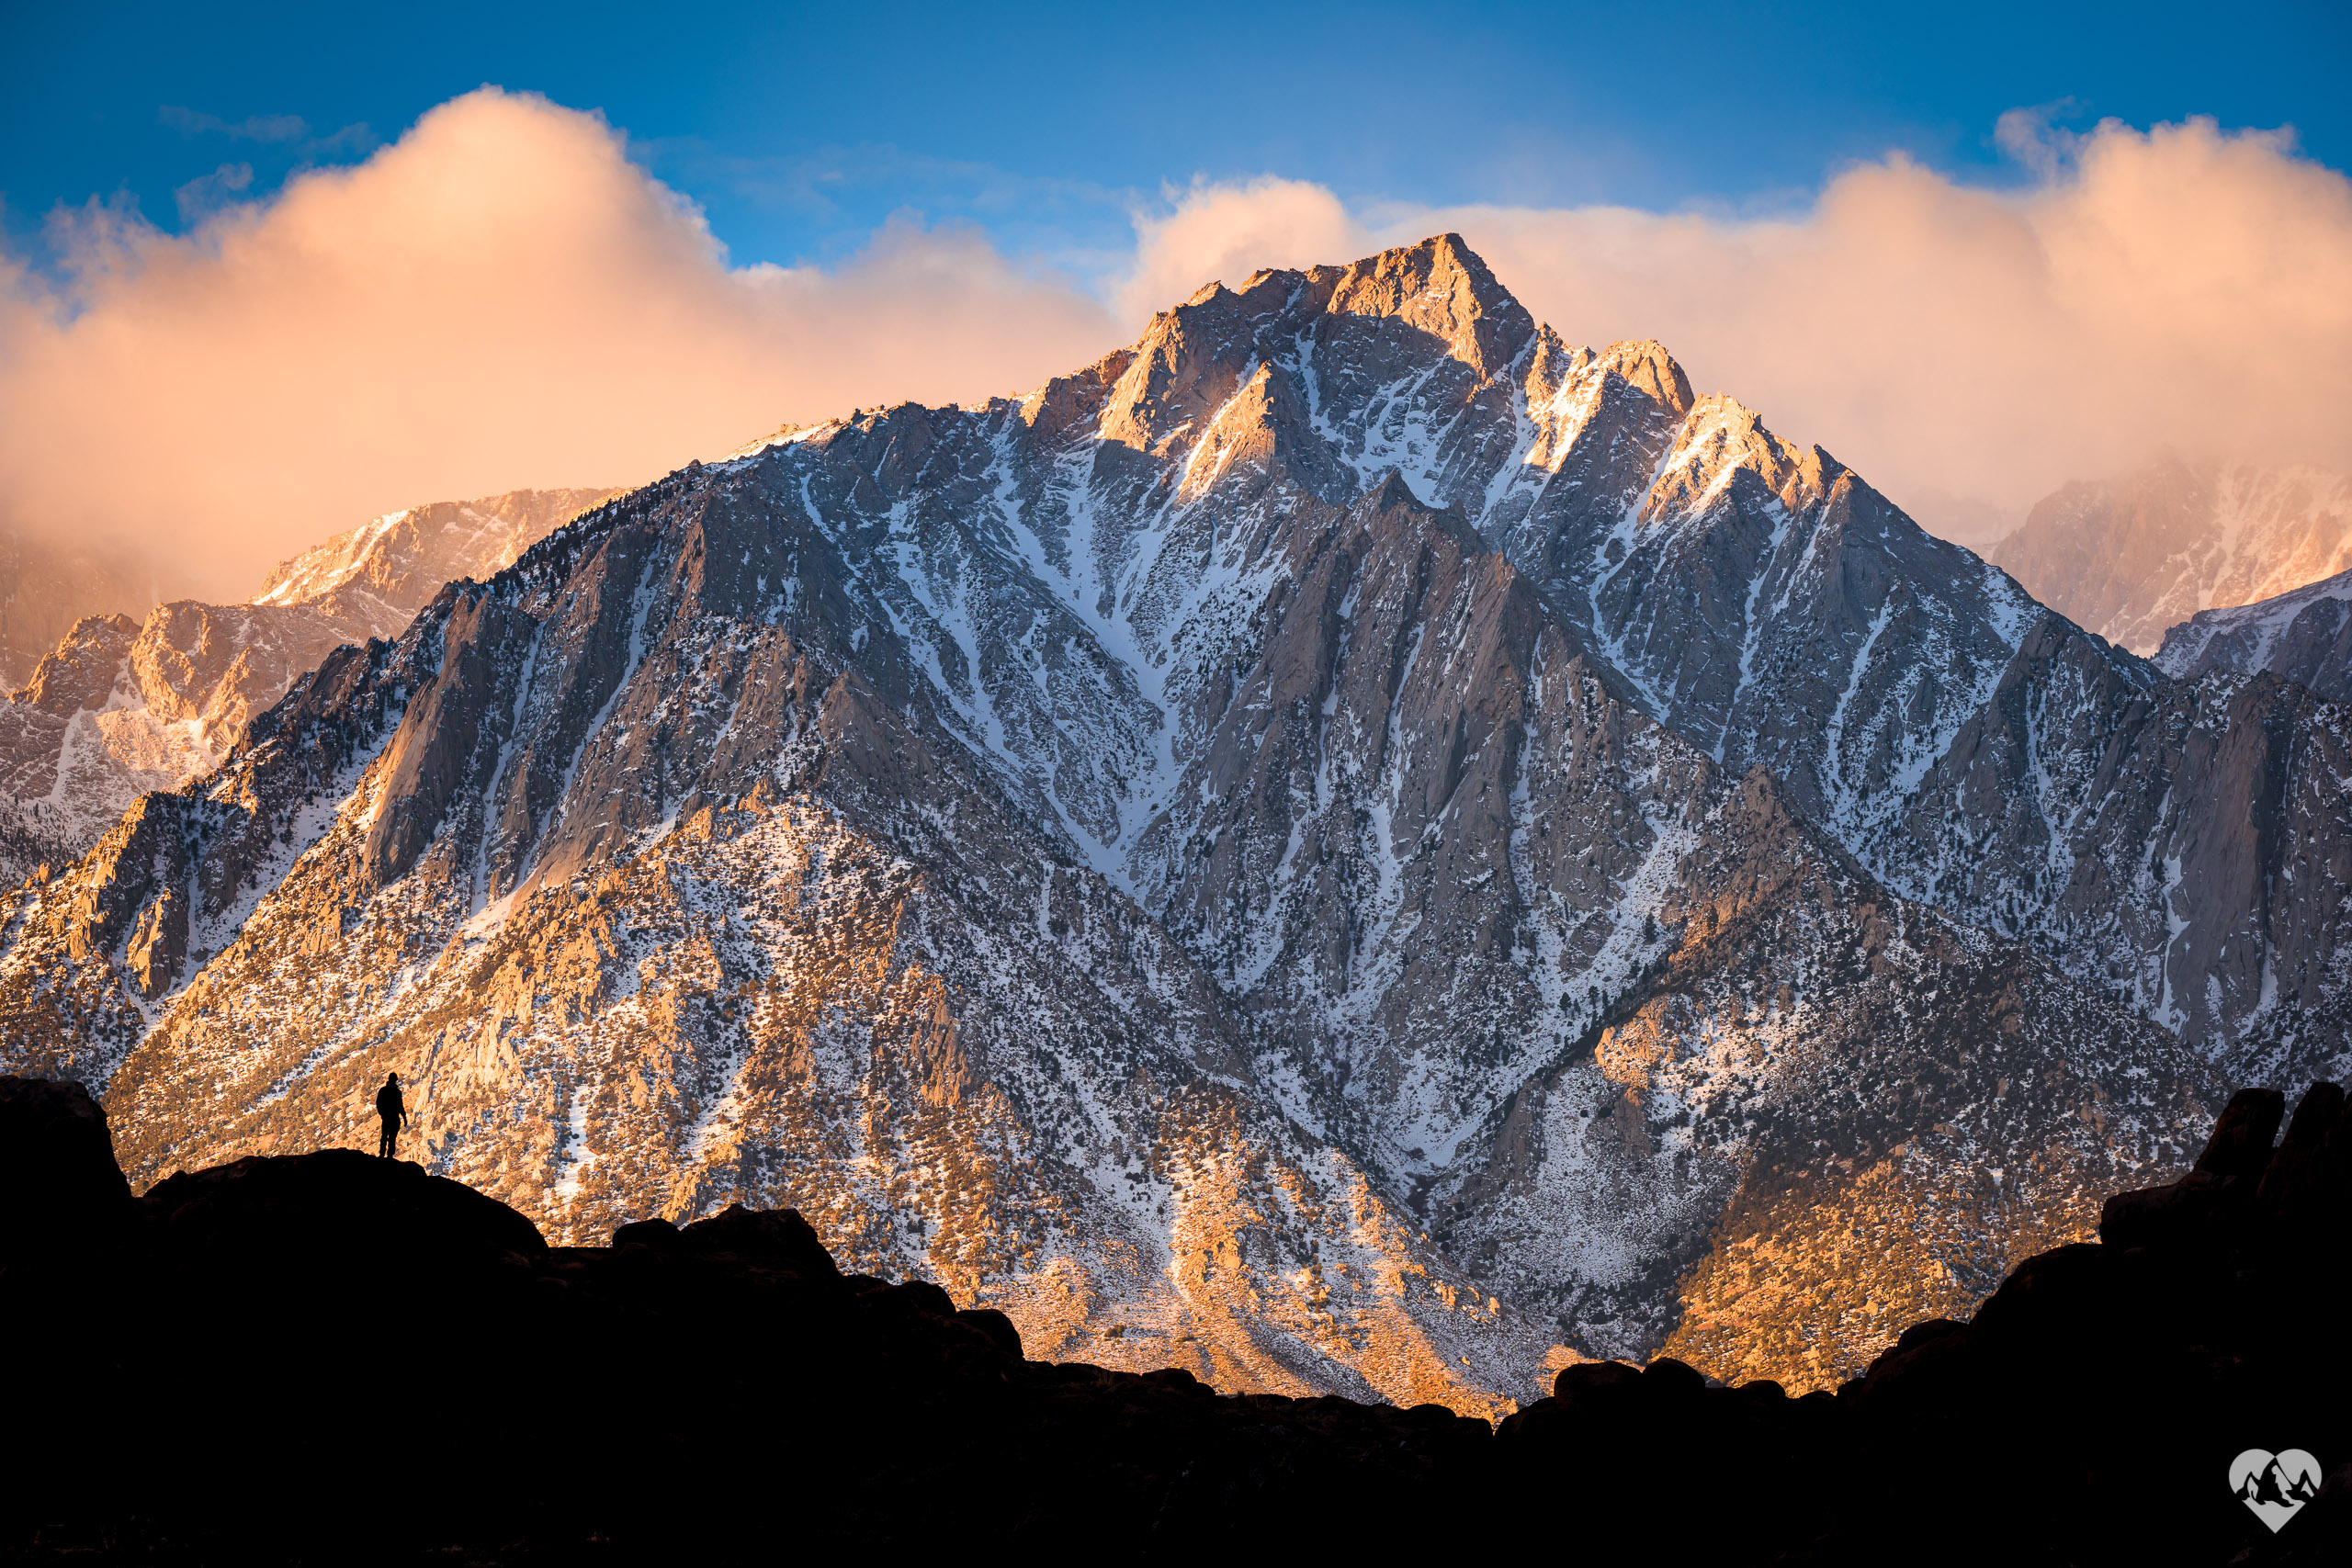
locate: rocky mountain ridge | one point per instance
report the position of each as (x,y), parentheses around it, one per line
(1351,845)
(121,707)
(391,566)
(2299,636)
(2132,556)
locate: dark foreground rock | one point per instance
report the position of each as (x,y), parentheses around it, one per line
(334,1358)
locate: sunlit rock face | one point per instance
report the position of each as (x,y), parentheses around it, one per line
(1351,845)
(2131,556)
(2303,635)
(119,708)
(387,570)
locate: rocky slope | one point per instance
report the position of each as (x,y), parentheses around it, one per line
(118,708)
(1140,854)
(1972,748)
(2132,556)
(2305,635)
(733,1351)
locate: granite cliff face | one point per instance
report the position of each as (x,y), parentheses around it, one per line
(119,708)
(1352,845)
(2129,557)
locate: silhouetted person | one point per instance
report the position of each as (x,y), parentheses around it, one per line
(394,1111)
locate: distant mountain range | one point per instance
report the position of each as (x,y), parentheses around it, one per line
(1353,845)
(118,708)
(2131,557)
(2304,635)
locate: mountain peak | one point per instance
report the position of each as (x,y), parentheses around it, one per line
(1722,436)
(945,781)
(403,558)
(1443,288)
(80,671)
(1389,494)
(1646,364)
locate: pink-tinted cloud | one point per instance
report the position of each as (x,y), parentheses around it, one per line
(2180,287)
(499,300)
(1224,232)
(1967,349)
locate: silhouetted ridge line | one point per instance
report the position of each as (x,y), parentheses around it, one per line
(267,1360)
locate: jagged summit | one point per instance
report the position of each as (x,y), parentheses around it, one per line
(401,559)
(79,672)
(1648,368)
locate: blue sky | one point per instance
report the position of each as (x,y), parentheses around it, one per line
(800,129)
(1809,205)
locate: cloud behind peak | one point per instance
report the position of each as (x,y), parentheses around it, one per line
(503,297)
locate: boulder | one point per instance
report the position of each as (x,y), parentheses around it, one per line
(1000,1333)
(333,1216)
(59,1184)
(1592,1381)
(2309,1177)
(777,1236)
(2240,1145)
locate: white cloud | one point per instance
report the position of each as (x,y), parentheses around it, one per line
(2180,287)
(500,298)
(1222,233)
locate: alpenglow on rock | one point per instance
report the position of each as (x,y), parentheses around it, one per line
(1352,845)
(2128,557)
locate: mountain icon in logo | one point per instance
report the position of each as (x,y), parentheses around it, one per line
(2276,1486)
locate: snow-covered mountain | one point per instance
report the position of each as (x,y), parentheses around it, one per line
(1973,750)
(387,570)
(119,708)
(2305,635)
(2129,557)
(1352,845)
